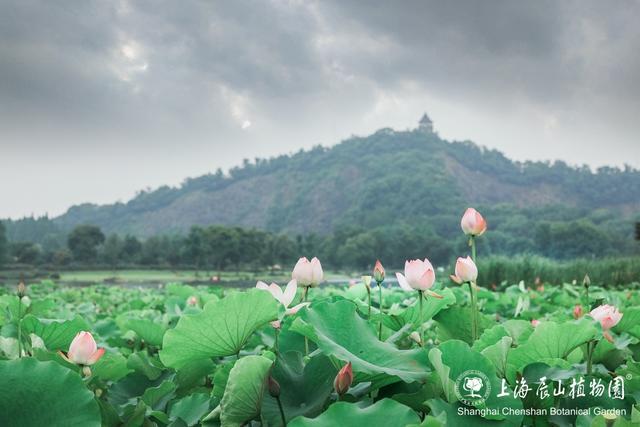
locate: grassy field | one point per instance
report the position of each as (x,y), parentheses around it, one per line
(158,276)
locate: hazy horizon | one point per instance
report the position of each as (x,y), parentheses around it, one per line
(100,100)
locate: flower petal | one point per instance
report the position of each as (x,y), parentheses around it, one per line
(289,293)
(402,281)
(95,356)
(296,308)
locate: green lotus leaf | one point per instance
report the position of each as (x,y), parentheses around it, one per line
(190,409)
(383,413)
(430,307)
(455,323)
(221,329)
(56,334)
(40,394)
(338,331)
(151,332)
(630,322)
(518,330)
(497,353)
(157,397)
(550,341)
(305,389)
(244,391)
(490,337)
(111,367)
(144,364)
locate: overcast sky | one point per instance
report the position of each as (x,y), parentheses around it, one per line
(99,99)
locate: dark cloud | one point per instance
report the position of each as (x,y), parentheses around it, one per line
(166,90)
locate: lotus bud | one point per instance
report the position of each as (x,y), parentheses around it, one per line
(343,380)
(577,311)
(192,300)
(98,392)
(472,223)
(466,271)
(607,315)
(535,323)
(586,282)
(276,324)
(22,289)
(83,350)
(415,336)
(308,273)
(378,272)
(367,281)
(274,387)
(418,275)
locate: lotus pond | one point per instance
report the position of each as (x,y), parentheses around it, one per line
(182,356)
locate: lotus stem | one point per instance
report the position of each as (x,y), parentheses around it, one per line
(474,309)
(306,340)
(380,298)
(275,346)
(420,330)
(474,305)
(369,298)
(284,419)
(590,349)
(19,326)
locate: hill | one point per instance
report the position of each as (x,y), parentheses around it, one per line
(388,179)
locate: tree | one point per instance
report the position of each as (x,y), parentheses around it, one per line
(26,252)
(3,244)
(83,242)
(111,250)
(131,249)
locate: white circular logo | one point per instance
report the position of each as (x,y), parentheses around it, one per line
(472,387)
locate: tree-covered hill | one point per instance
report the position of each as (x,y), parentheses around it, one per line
(389,182)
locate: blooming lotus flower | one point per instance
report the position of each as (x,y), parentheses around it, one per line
(607,315)
(472,223)
(577,311)
(466,271)
(284,297)
(343,380)
(308,273)
(83,350)
(378,272)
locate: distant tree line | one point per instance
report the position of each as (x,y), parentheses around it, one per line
(217,248)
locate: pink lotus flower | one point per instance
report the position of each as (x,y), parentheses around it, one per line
(285,297)
(535,322)
(607,315)
(577,311)
(466,271)
(343,380)
(472,223)
(308,273)
(418,275)
(83,350)
(378,272)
